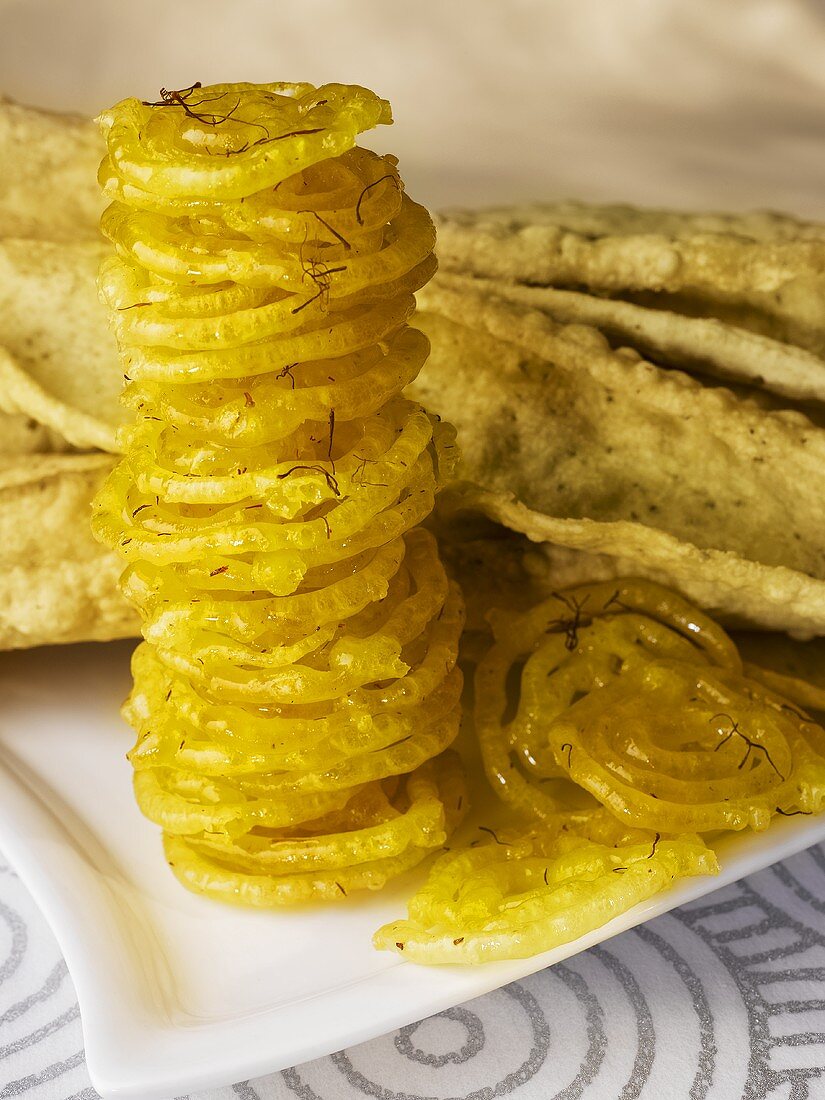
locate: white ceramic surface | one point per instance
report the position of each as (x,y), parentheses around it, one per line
(177,993)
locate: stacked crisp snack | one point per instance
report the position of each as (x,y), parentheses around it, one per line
(645,388)
(58,388)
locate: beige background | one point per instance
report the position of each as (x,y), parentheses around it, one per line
(715,102)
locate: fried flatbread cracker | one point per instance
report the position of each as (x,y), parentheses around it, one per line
(702,345)
(58,362)
(573,443)
(56,583)
(58,365)
(764,272)
(795,669)
(498,567)
(20,435)
(48,183)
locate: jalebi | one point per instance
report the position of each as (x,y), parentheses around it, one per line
(297,689)
(616,725)
(640,699)
(512,900)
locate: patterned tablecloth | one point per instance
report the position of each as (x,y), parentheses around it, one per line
(723,999)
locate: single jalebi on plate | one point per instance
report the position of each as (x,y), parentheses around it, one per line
(615,720)
(297,690)
(640,699)
(512,900)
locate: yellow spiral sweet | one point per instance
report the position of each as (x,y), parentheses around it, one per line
(639,699)
(510,900)
(615,726)
(297,689)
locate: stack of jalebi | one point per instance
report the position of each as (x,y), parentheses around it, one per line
(297,687)
(639,699)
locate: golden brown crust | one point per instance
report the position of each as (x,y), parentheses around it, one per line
(56,583)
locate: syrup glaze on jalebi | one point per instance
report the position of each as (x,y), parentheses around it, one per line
(515,899)
(616,726)
(297,689)
(640,699)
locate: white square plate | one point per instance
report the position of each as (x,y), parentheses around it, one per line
(178,993)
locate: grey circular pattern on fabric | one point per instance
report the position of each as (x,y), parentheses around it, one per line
(723,999)
(468,1020)
(11,957)
(539,1045)
(645,1036)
